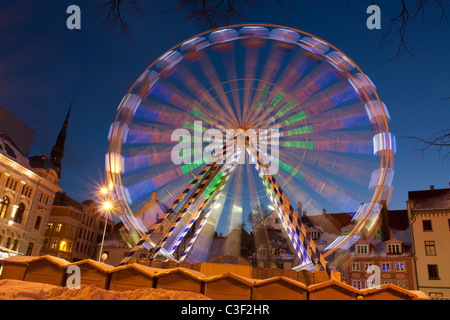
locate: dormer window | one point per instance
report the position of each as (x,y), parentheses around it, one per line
(362,249)
(394,247)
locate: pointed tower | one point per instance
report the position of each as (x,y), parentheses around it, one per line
(58,149)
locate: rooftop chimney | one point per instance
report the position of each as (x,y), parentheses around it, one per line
(432,187)
(324,211)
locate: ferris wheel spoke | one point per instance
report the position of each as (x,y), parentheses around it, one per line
(206,98)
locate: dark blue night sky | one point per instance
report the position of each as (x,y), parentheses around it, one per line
(43,65)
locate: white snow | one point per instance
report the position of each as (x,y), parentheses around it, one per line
(23,290)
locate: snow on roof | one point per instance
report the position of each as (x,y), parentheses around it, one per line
(277,278)
(139,267)
(96,264)
(192,273)
(10,150)
(330,283)
(244,280)
(387,287)
(19,259)
(59,261)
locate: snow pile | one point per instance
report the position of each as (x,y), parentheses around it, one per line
(22,290)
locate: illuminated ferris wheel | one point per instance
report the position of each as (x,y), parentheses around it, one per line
(244,117)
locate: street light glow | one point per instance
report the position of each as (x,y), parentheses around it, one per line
(107,205)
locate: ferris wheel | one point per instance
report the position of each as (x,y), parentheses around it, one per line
(247,117)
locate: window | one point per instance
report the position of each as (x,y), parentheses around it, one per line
(30,249)
(8,243)
(400,267)
(19,213)
(54,244)
(430,248)
(355,266)
(436,294)
(356,284)
(386,266)
(427,225)
(4,206)
(394,248)
(402,284)
(58,227)
(433,273)
(63,246)
(366,265)
(15,243)
(314,235)
(37,223)
(362,249)
(49,226)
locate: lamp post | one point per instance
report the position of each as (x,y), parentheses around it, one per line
(107,206)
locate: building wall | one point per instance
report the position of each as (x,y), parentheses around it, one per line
(426,256)
(74,229)
(391,271)
(23,186)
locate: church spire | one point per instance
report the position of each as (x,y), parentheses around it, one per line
(58,149)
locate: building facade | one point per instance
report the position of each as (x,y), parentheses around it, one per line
(74,229)
(429,212)
(26,198)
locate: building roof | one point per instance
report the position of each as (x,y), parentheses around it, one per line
(62,199)
(239,278)
(433,199)
(41,161)
(9,149)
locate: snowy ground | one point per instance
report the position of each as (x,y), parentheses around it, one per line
(22,290)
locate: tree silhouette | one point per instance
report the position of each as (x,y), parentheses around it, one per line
(218,13)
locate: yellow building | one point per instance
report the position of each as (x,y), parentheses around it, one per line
(429,213)
(27,189)
(74,229)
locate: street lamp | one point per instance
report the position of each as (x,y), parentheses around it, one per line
(107,206)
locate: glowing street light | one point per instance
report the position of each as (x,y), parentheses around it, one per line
(107,206)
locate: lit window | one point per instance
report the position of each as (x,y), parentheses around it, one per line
(400,267)
(356,284)
(362,249)
(63,246)
(49,226)
(54,244)
(430,248)
(436,294)
(58,227)
(4,206)
(386,266)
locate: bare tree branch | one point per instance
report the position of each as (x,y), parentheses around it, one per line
(401,21)
(113,11)
(440,143)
